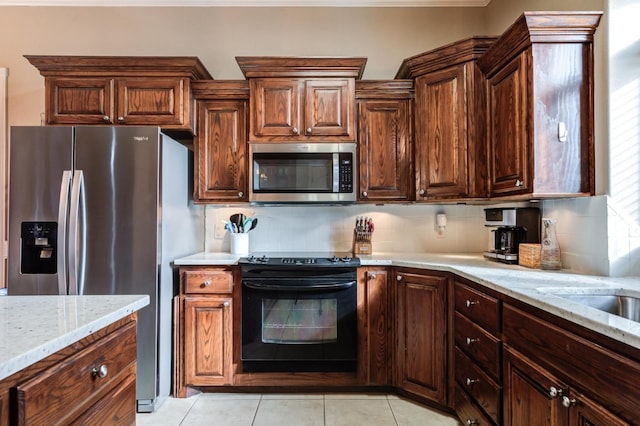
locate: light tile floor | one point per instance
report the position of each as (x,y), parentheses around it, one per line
(331,409)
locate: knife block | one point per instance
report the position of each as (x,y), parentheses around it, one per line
(362,243)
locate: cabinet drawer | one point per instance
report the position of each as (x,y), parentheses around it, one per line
(467,411)
(478,385)
(480,308)
(208,281)
(53,395)
(479,345)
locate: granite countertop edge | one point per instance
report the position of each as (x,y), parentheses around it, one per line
(60,321)
(521,283)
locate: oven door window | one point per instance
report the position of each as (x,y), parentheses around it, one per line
(287,172)
(299,321)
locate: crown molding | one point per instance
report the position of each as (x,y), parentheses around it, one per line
(249,3)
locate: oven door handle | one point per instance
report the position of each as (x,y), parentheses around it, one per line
(314,287)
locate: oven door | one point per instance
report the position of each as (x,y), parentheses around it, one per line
(292,324)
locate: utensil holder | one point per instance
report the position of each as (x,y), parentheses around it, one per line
(239,243)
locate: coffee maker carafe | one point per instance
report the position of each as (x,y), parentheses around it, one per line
(510,227)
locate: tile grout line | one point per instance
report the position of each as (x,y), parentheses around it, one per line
(391,409)
(255,415)
(189,410)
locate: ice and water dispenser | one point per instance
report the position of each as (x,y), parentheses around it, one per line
(38,247)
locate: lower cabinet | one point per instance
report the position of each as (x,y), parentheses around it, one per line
(92,382)
(555,377)
(422,333)
(204,326)
(374,327)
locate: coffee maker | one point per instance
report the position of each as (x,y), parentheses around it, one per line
(511,226)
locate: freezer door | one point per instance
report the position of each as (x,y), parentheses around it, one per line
(120,167)
(38,157)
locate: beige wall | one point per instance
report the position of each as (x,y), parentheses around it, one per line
(384,35)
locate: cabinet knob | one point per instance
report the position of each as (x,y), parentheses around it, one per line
(471,303)
(371,275)
(470,381)
(106,118)
(471,341)
(472,422)
(568,402)
(365,194)
(240,194)
(309,130)
(121,119)
(101,371)
(207,283)
(519,182)
(399,278)
(554,392)
(226,304)
(295,131)
(421,192)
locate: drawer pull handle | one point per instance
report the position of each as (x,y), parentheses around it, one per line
(101,371)
(399,278)
(106,118)
(470,382)
(471,303)
(207,283)
(371,275)
(225,304)
(471,341)
(472,422)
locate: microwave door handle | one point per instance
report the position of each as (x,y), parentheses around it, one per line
(63,218)
(336,172)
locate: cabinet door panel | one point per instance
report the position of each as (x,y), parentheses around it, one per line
(80,100)
(384,150)
(509,133)
(422,337)
(585,412)
(151,102)
(528,400)
(329,108)
(208,334)
(441,138)
(275,108)
(221,151)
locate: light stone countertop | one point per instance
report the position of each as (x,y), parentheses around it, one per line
(527,285)
(34,327)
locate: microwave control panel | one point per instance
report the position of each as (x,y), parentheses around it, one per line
(346,172)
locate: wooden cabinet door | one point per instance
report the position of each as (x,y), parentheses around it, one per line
(208,332)
(80,100)
(585,412)
(422,335)
(221,151)
(151,101)
(532,396)
(329,108)
(384,150)
(441,134)
(374,327)
(511,161)
(276,110)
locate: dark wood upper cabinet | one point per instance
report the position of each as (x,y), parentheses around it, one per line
(540,134)
(296,99)
(120,90)
(385,161)
(220,147)
(450,121)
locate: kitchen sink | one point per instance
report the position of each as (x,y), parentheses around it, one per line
(622,302)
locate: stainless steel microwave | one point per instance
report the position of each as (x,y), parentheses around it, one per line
(302,172)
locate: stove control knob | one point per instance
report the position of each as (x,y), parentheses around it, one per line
(264,259)
(335,259)
(346,259)
(251,259)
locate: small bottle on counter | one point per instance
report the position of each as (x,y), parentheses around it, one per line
(550,249)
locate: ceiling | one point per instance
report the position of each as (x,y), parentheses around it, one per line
(252,3)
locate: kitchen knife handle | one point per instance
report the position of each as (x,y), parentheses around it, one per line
(62,231)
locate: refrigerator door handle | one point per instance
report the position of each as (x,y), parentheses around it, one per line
(63,214)
(77,235)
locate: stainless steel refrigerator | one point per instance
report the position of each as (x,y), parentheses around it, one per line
(104,210)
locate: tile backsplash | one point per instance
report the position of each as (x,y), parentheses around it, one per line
(595,237)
